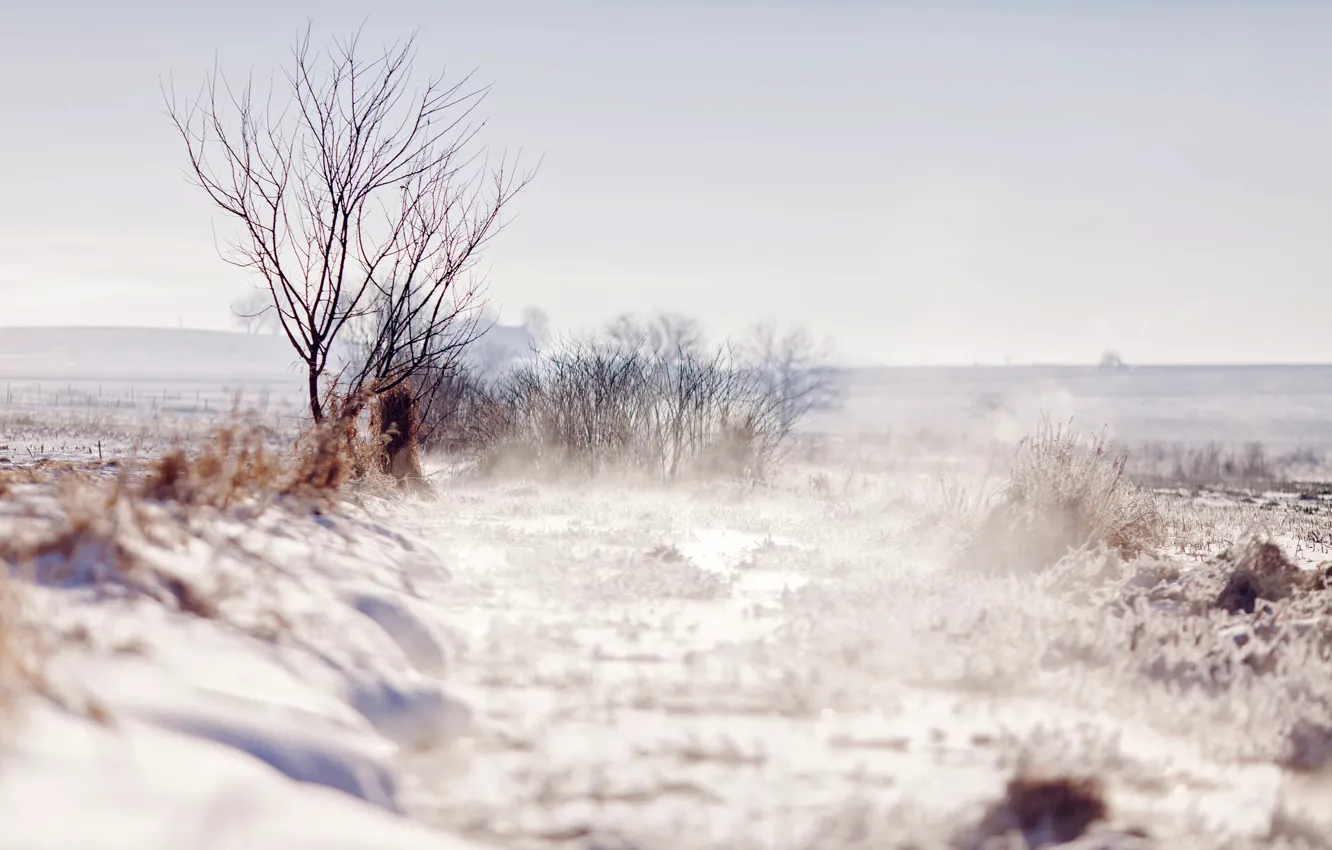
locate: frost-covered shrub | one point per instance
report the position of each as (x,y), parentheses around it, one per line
(1066,490)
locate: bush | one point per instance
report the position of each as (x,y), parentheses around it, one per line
(458,410)
(591,406)
(1066,491)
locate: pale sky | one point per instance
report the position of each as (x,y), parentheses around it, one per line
(937,182)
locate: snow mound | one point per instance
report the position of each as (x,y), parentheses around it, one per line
(305,663)
(296,751)
(70,783)
(413,713)
(408,631)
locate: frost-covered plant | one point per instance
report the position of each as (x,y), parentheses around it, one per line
(1067,490)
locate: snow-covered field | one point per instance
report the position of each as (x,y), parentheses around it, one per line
(806,663)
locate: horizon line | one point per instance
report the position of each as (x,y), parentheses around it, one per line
(1088,364)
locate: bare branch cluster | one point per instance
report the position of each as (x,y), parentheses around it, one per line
(357,199)
(793,370)
(647,395)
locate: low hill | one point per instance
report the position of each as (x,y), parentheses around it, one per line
(119,354)
(65,353)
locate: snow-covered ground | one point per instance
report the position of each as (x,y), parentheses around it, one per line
(805,663)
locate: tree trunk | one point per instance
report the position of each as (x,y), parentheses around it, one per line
(397,423)
(316,409)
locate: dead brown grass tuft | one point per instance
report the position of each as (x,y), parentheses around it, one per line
(95,537)
(1259,570)
(230,466)
(1066,491)
(86,530)
(19,476)
(325,460)
(1042,812)
(334,453)
(234,465)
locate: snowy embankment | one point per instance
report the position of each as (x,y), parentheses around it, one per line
(265,706)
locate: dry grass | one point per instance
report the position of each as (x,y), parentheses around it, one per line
(1066,491)
(80,529)
(1243,636)
(13,650)
(22,656)
(95,535)
(47,470)
(1214,464)
(955,505)
(234,465)
(230,466)
(67,525)
(326,458)
(12,476)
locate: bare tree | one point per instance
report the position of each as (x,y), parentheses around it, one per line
(794,371)
(356,197)
(254,313)
(660,336)
(537,324)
